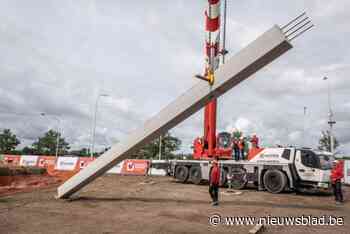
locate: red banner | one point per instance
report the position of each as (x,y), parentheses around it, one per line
(12,159)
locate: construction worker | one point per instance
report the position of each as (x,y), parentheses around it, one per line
(336,175)
(255,141)
(241,146)
(214,181)
(235,148)
(236,134)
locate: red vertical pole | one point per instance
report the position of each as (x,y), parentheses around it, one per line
(212,27)
(212,127)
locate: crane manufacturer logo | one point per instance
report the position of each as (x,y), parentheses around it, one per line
(269,155)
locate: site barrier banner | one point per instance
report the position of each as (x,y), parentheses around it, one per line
(12,159)
(126,167)
(157,172)
(117,169)
(28,161)
(84,161)
(66,163)
(135,167)
(45,161)
(347,172)
(158,167)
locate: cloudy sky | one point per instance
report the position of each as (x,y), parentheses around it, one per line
(56,57)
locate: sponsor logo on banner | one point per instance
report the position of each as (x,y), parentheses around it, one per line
(45,161)
(28,160)
(130,166)
(66,163)
(83,162)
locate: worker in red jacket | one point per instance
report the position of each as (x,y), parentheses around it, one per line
(214,181)
(337,174)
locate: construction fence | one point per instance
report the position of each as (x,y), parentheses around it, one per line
(75,164)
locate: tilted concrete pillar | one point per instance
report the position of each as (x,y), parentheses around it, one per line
(250,59)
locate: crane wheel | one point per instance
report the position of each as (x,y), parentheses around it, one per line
(275,181)
(195,175)
(239,178)
(181,173)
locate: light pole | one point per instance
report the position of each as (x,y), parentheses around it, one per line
(160,147)
(304,116)
(331,122)
(94,124)
(58,131)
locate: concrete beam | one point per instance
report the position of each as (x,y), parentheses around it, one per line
(256,55)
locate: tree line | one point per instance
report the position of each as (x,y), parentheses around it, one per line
(47,144)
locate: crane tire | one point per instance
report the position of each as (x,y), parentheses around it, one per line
(239,178)
(275,181)
(195,175)
(181,173)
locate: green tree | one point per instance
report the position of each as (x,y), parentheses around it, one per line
(83,152)
(47,144)
(170,144)
(236,134)
(324,142)
(8,141)
(28,150)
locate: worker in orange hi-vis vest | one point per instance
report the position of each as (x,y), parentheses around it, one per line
(241,146)
(255,141)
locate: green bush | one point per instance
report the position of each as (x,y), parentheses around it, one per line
(35,170)
(5,171)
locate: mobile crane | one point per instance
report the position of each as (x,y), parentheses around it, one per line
(273,169)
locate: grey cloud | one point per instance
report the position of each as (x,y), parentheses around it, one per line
(57,56)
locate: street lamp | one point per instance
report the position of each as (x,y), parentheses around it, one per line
(331,122)
(94,124)
(58,130)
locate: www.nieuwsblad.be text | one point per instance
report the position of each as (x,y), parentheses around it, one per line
(303,220)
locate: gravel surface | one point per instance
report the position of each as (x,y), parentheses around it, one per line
(133,204)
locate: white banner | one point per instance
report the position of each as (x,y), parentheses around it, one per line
(347,172)
(28,161)
(116,169)
(157,172)
(66,163)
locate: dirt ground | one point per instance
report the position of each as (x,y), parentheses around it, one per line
(26,183)
(132,204)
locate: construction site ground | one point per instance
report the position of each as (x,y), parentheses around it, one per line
(136,204)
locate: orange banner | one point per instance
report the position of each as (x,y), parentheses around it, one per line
(135,167)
